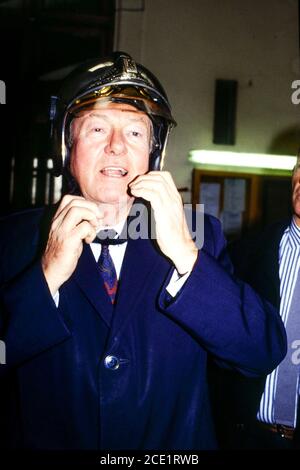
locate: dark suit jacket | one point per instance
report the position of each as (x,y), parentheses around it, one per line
(256,261)
(262,267)
(60,395)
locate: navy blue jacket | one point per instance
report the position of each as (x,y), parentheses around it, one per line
(60,395)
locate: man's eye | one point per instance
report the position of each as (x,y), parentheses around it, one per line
(136,134)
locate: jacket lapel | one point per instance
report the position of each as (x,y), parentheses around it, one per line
(140,261)
(88,278)
(272,265)
(266,275)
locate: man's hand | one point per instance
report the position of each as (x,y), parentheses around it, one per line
(76,219)
(172,232)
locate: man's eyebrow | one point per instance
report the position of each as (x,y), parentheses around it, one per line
(94,114)
(142,118)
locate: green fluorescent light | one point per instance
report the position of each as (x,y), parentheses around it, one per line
(239,159)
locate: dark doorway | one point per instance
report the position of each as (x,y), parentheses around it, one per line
(40,43)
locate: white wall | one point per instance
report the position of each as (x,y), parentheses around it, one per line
(190,43)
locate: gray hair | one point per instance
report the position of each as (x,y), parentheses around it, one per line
(297,166)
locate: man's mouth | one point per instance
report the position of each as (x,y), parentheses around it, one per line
(114,171)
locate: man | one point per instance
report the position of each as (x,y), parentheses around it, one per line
(107,342)
(263,413)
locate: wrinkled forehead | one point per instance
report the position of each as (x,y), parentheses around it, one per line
(112,113)
(109,108)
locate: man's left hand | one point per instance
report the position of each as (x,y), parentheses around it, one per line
(172,232)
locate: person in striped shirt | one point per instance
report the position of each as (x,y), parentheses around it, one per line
(249,419)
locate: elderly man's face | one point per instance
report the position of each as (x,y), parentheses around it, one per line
(111,147)
(296,195)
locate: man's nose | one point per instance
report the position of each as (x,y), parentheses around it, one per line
(116,144)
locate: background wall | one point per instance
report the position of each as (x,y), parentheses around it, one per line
(189,44)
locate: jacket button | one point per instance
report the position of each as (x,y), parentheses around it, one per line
(111,362)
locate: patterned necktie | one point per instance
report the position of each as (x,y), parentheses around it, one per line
(286,393)
(108,272)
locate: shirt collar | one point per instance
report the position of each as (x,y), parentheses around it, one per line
(110,235)
(118,227)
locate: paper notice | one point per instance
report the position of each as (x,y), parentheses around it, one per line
(210,197)
(231,222)
(234,195)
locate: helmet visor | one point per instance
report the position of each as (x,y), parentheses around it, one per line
(139,97)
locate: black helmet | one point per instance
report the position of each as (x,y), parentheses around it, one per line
(118,79)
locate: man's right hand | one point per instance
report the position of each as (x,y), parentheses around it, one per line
(75,220)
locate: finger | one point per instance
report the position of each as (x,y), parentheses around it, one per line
(88,204)
(66,200)
(73,217)
(162,174)
(76,215)
(164,177)
(69,201)
(154,197)
(158,185)
(77,205)
(84,231)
